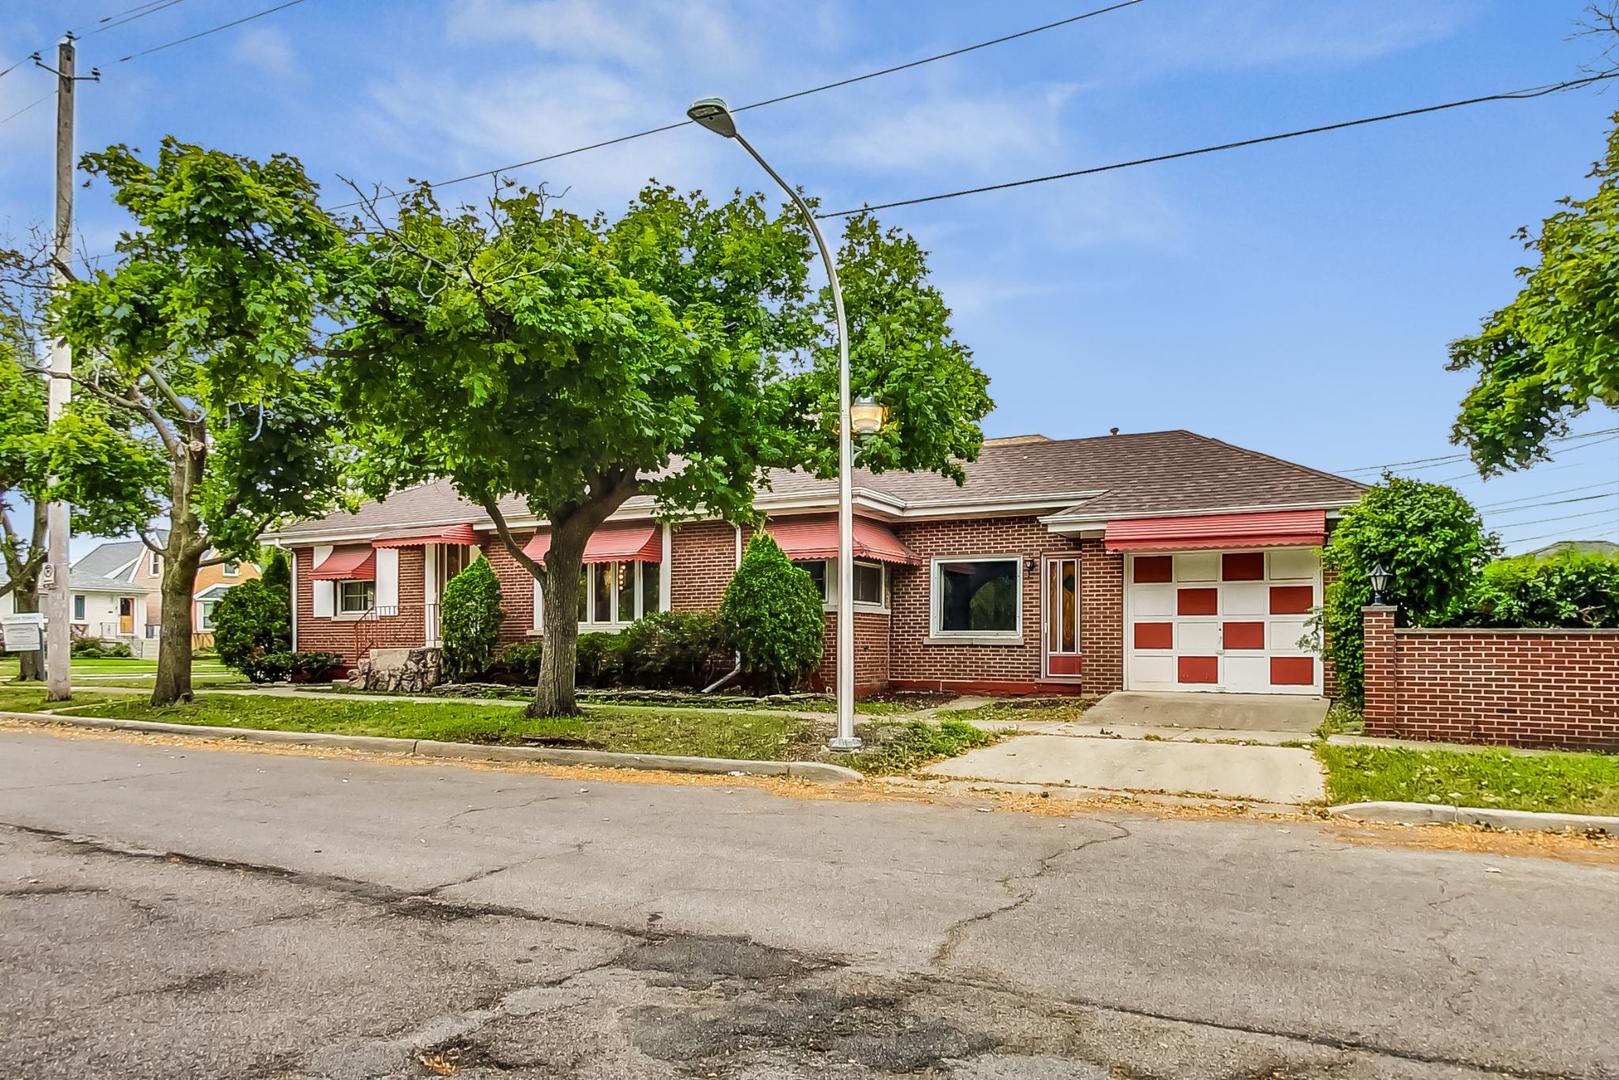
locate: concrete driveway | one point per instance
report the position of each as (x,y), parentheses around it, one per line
(1273,774)
(1194,744)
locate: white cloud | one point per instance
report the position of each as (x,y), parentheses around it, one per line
(269,50)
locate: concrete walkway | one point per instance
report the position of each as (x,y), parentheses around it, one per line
(1291,713)
(1271,774)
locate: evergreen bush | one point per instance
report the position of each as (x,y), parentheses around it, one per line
(773,612)
(469,621)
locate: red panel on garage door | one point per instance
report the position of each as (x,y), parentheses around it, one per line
(1197,669)
(1292,671)
(1197,601)
(1153,568)
(1242,566)
(1291,599)
(1244,635)
(1155,635)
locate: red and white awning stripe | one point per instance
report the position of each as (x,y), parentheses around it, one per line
(1275,528)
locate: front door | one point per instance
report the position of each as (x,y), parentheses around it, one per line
(1061,617)
(126,615)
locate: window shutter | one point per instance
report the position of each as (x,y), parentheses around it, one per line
(539,605)
(387,577)
(325,591)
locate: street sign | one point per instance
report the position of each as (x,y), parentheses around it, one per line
(23,632)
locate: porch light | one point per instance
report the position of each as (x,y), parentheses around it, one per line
(866,416)
(1380,581)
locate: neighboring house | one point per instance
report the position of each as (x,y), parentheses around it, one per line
(1161,561)
(139,571)
(1583,547)
(101,606)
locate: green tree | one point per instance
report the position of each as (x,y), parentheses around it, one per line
(1429,539)
(278,570)
(253,621)
(469,620)
(201,340)
(773,612)
(94,461)
(677,352)
(1554,350)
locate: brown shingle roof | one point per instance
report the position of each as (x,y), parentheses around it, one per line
(1160,472)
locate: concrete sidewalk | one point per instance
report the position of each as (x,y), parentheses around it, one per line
(1271,774)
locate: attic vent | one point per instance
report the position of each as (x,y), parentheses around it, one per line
(1016,440)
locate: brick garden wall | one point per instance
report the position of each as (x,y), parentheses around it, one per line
(1531,688)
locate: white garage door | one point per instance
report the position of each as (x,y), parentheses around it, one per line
(1222,620)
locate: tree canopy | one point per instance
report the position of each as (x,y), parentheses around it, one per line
(1554,350)
(677,352)
(200,342)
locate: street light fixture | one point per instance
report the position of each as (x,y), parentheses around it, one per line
(866,416)
(1380,581)
(715,115)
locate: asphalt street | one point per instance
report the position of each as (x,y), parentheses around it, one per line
(169,911)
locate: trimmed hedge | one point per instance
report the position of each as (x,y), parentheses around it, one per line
(1570,589)
(97,649)
(666,651)
(774,613)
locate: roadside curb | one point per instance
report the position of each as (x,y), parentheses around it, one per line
(1407,813)
(817,771)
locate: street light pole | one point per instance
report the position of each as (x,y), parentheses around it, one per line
(715,115)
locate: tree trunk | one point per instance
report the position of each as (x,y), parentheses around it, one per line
(180,561)
(25,597)
(559,658)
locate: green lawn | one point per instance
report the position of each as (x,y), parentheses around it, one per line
(31,696)
(112,671)
(1566,782)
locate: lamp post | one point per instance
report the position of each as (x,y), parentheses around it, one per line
(715,115)
(1380,581)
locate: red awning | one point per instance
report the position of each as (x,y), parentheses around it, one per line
(1277,528)
(451,534)
(610,543)
(817,538)
(348,564)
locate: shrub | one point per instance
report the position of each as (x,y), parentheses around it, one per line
(600,659)
(277,571)
(253,620)
(469,621)
(679,650)
(1569,589)
(99,649)
(305,667)
(773,611)
(518,662)
(1431,542)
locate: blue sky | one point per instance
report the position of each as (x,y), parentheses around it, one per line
(1294,298)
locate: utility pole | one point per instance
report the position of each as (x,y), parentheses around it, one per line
(55,588)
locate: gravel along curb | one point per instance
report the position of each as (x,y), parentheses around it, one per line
(818,771)
(1410,813)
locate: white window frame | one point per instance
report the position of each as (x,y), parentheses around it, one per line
(154,563)
(231,568)
(341,610)
(830,603)
(617,622)
(938,635)
(81,607)
(204,611)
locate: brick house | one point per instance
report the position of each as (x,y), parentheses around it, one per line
(1162,561)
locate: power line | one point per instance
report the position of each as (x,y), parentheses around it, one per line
(37,101)
(1433,462)
(1555,502)
(1559,534)
(1515,95)
(1613,514)
(140,11)
(1505,504)
(850,81)
(210,30)
(1473,474)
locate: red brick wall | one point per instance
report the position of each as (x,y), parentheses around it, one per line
(1016,666)
(704,559)
(871,653)
(1329,672)
(1534,688)
(516,588)
(405,629)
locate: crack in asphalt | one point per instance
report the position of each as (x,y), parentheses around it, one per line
(411,903)
(102,780)
(1442,941)
(954,933)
